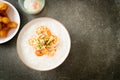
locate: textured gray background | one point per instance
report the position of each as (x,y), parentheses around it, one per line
(94,27)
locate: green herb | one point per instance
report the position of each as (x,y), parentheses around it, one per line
(42,37)
(39,41)
(48,42)
(39,46)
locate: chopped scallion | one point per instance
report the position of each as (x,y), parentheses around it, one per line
(39,46)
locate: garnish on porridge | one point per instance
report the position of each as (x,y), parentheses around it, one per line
(44,42)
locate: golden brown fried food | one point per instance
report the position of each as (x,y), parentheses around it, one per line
(3,13)
(4,27)
(5,23)
(3,6)
(5,20)
(3,33)
(4,30)
(0,26)
(12,25)
(0,18)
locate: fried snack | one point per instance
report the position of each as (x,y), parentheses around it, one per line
(5,20)
(3,14)
(4,30)
(5,27)
(0,18)
(5,23)
(3,33)
(12,25)
(3,7)
(0,26)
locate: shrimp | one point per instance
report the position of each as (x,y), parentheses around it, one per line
(38,53)
(43,30)
(33,41)
(41,52)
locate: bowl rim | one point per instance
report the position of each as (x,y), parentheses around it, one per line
(15,32)
(61,61)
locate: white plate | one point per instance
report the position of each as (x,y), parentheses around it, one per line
(14,16)
(43,63)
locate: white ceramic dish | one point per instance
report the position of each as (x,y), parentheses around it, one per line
(14,16)
(43,63)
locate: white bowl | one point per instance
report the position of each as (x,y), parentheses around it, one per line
(43,63)
(14,16)
(21,4)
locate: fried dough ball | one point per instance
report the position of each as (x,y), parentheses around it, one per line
(0,18)
(12,25)
(3,13)
(3,33)
(0,26)
(3,6)
(5,23)
(4,30)
(4,27)
(5,20)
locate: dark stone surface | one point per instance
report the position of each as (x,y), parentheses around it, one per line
(94,27)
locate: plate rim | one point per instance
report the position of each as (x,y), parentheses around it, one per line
(25,27)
